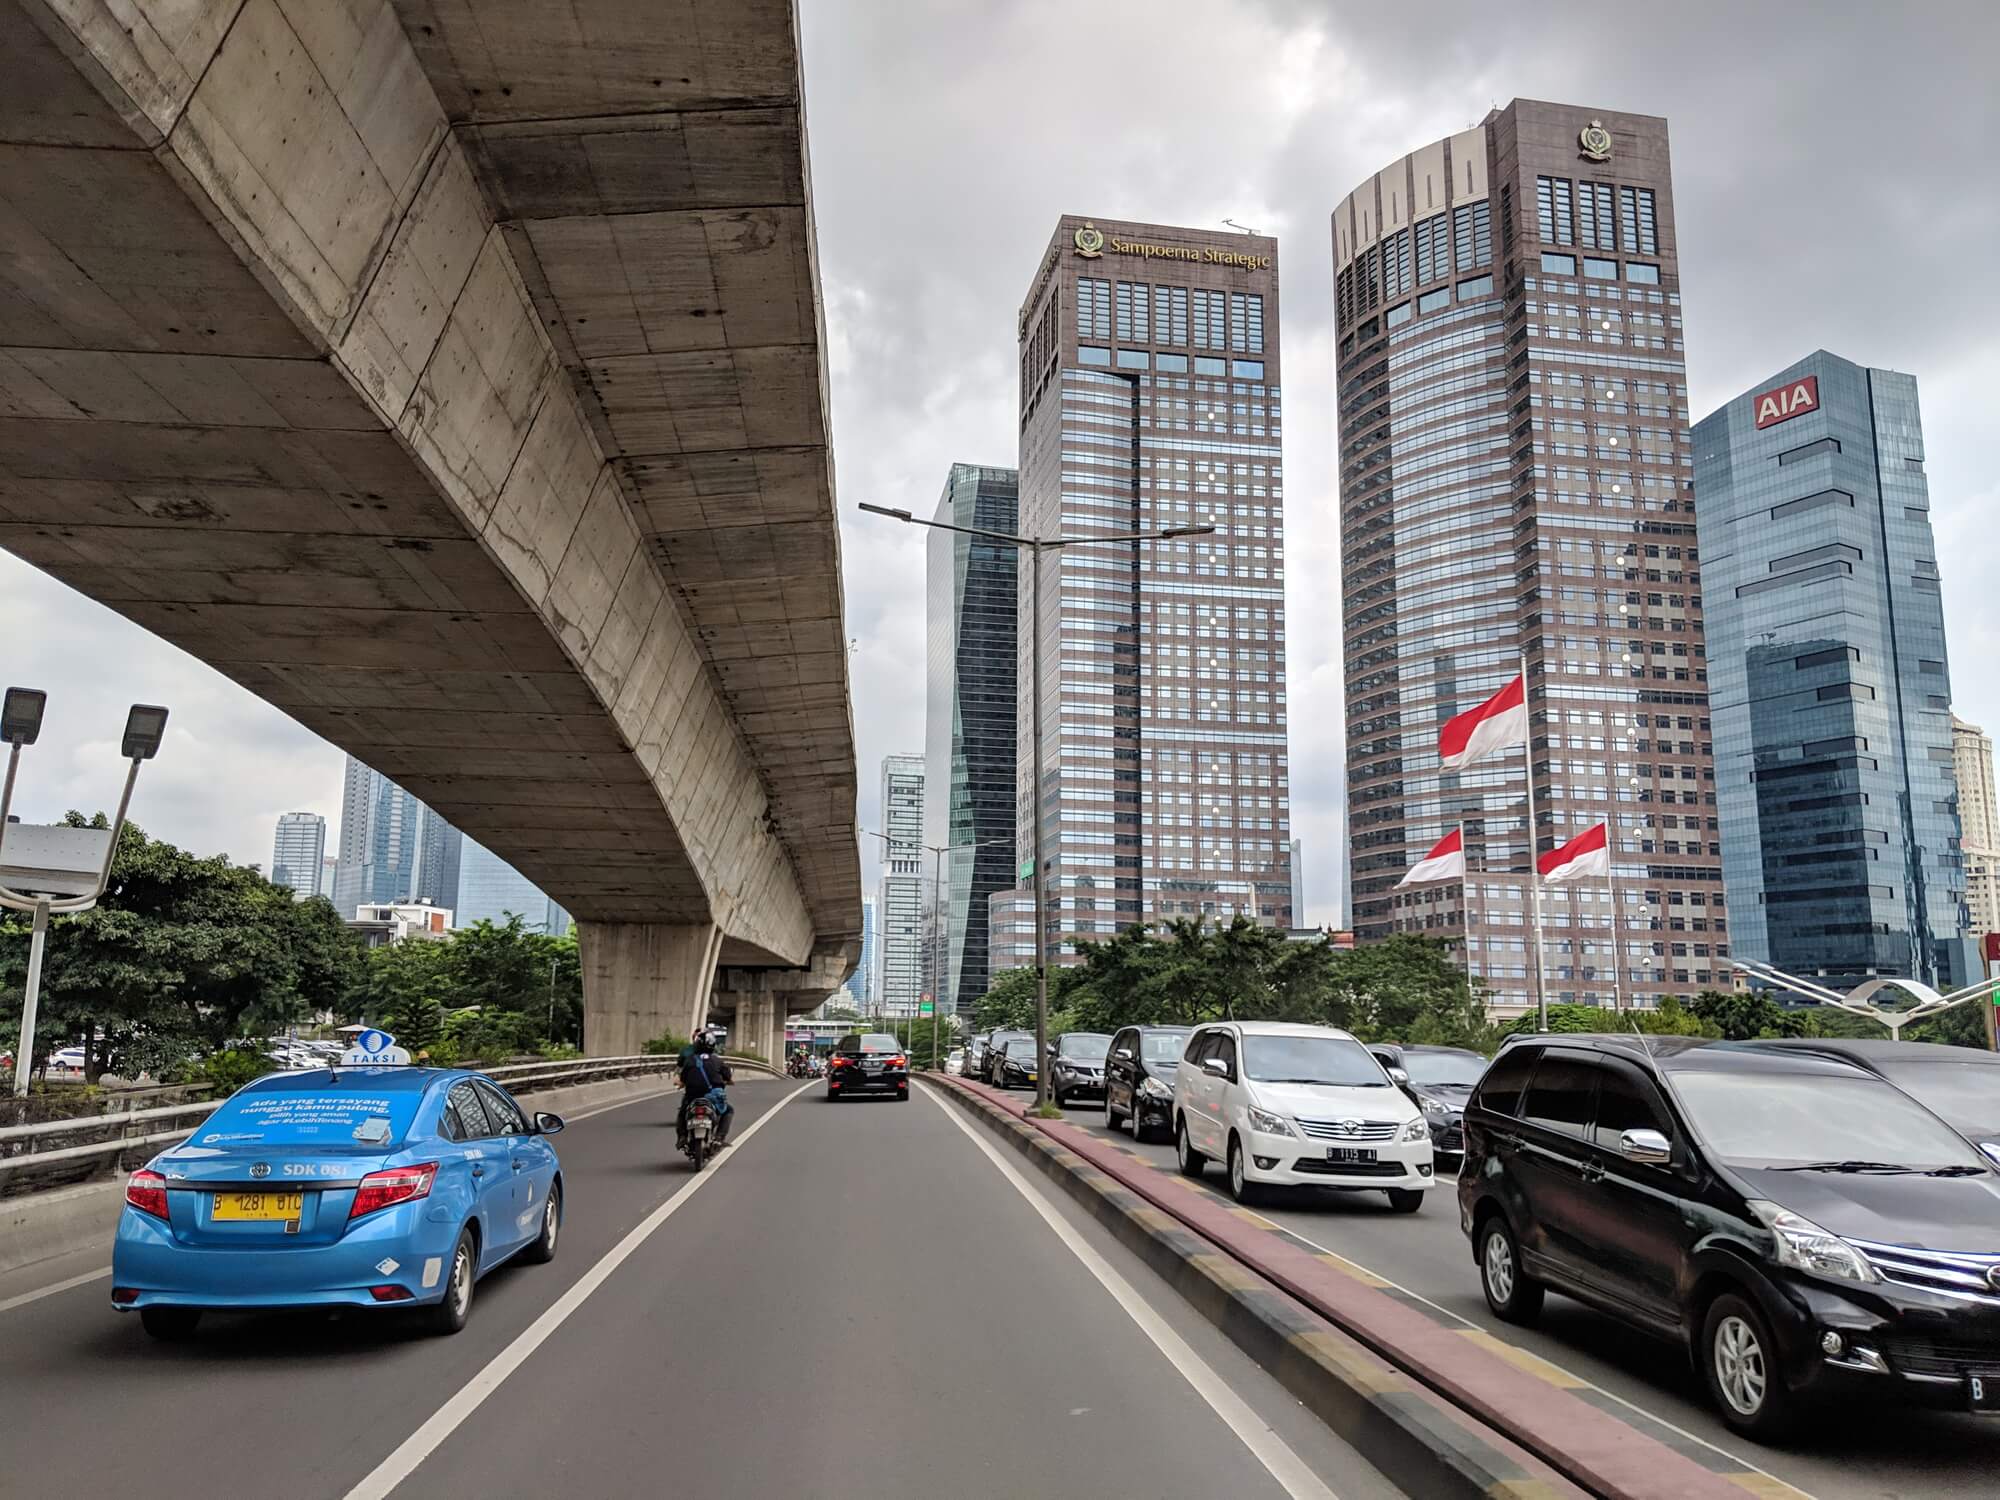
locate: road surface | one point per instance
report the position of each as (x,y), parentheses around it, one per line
(1853,1452)
(857,1299)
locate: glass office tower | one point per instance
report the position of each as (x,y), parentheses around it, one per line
(298,853)
(1150,397)
(906,880)
(1830,689)
(1514,474)
(969,725)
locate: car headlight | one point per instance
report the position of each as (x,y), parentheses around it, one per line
(1152,1088)
(1435,1107)
(1270,1124)
(1417,1130)
(1804,1246)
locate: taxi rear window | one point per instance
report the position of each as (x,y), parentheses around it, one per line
(355,1118)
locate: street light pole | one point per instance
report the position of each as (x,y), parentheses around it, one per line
(1035,547)
(940,941)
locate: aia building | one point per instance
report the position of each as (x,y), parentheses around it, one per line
(1829,685)
(1515,488)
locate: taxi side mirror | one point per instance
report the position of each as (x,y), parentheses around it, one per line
(547,1123)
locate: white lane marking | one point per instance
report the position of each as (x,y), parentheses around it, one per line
(1459,1317)
(419,1445)
(10,1303)
(49,1291)
(1270,1450)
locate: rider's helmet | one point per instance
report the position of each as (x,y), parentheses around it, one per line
(703,1042)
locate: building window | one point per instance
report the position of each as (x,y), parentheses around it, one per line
(1472,235)
(1594,215)
(1560,265)
(1432,301)
(1433,249)
(1170,364)
(1643,274)
(1637,230)
(1477,286)
(1087,354)
(1170,315)
(1507,215)
(1552,210)
(1210,331)
(1397,315)
(1600,270)
(1093,308)
(1135,323)
(1396,264)
(1246,369)
(1246,323)
(1133,359)
(1207,365)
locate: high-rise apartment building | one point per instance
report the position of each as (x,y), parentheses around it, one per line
(1828,682)
(969,722)
(1978,822)
(297,853)
(491,890)
(866,981)
(1298,883)
(899,909)
(1150,397)
(1515,474)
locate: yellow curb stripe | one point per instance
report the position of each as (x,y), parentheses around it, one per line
(1521,1359)
(1767,1487)
(1355,1365)
(1528,1489)
(1349,1269)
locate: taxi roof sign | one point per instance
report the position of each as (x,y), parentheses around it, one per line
(374,1047)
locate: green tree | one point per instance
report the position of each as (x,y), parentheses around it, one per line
(181,955)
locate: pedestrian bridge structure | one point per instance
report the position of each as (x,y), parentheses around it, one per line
(451,375)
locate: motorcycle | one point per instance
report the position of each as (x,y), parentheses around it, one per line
(701,1132)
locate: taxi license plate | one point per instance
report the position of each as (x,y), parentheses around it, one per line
(261,1207)
(1350,1153)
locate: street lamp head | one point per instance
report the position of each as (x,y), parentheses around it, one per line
(883,510)
(21,718)
(145,727)
(1188,531)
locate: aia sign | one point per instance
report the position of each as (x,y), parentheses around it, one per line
(1782,403)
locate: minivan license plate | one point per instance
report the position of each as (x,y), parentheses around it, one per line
(1350,1153)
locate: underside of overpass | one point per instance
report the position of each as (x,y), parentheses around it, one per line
(451,375)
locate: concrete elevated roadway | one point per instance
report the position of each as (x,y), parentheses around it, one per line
(451,375)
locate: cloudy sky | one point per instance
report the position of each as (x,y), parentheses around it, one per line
(1834,185)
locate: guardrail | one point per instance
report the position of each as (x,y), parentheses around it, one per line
(54,1153)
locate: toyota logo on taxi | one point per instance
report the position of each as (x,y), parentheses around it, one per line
(1783,402)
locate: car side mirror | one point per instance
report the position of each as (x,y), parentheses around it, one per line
(1400,1077)
(547,1123)
(1647,1147)
(1216,1066)
(1124,1053)
(1992,1150)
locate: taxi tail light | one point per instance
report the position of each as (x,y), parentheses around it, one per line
(124,1296)
(147,1192)
(389,1293)
(385,1189)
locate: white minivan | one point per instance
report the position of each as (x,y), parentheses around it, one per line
(1306,1106)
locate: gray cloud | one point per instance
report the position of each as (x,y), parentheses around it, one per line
(1833,189)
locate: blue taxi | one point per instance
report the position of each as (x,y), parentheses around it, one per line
(377,1187)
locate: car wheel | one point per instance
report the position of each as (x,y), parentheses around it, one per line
(170,1324)
(1514,1296)
(543,1250)
(1191,1160)
(1113,1121)
(1241,1188)
(449,1312)
(903,1093)
(1739,1359)
(1405,1200)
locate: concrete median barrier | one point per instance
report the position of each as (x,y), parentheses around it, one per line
(1437,1412)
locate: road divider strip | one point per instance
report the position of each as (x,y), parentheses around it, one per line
(1413,1438)
(1544,1421)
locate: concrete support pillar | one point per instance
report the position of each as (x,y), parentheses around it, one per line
(760,1025)
(641,980)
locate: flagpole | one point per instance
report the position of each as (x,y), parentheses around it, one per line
(1534,875)
(1465,897)
(1617,942)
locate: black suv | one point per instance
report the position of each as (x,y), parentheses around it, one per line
(1139,1078)
(1076,1065)
(868,1062)
(1438,1080)
(1960,1085)
(1797,1223)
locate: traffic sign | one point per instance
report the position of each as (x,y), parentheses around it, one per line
(926,1008)
(1027,870)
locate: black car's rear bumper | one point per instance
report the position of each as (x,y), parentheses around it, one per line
(848,1081)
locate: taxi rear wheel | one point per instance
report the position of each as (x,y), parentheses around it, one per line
(449,1313)
(170,1324)
(543,1250)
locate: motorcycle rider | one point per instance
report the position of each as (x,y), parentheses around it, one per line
(703,1075)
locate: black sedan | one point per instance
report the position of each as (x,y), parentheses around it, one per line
(1014,1065)
(870,1062)
(1438,1080)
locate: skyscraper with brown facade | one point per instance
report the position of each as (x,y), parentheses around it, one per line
(1516,482)
(1149,398)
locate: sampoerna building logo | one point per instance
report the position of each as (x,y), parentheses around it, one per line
(1090,242)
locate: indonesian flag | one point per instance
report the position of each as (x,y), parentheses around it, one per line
(1446,861)
(1585,856)
(1497,724)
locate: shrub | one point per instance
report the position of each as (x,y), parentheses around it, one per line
(667,1044)
(234,1065)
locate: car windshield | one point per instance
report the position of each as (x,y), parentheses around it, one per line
(1444,1067)
(1085,1045)
(1163,1046)
(1311,1059)
(1809,1120)
(1965,1094)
